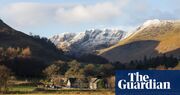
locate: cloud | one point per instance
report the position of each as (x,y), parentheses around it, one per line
(138,11)
(80,13)
(78,17)
(32,14)
(29,13)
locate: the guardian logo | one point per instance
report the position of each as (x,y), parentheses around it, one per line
(147,82)
(138,81)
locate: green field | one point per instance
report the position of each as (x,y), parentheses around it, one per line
(32,90)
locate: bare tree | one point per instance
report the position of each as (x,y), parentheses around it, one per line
(89,70)
(4,77)
(75,70)
(51,71)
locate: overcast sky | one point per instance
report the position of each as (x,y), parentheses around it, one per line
(50,17)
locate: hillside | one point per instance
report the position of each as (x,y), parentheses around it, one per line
(153,38)
(87,42)
(40,48)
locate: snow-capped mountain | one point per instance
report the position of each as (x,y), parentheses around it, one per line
(156,23)
(88,41)
(151,39)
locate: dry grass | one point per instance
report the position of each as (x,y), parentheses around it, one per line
(20,87)
(33,90)
(164,33)
(168,37)
(67,94)
(95,92)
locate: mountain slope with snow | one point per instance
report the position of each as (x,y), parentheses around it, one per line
(88,41)
(153,38)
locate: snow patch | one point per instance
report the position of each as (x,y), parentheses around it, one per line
(90,40)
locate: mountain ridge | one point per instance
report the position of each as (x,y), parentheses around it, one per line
(88,41)
(166,32)
(40,47)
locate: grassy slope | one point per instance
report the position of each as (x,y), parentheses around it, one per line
(168,37)
(31,90)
